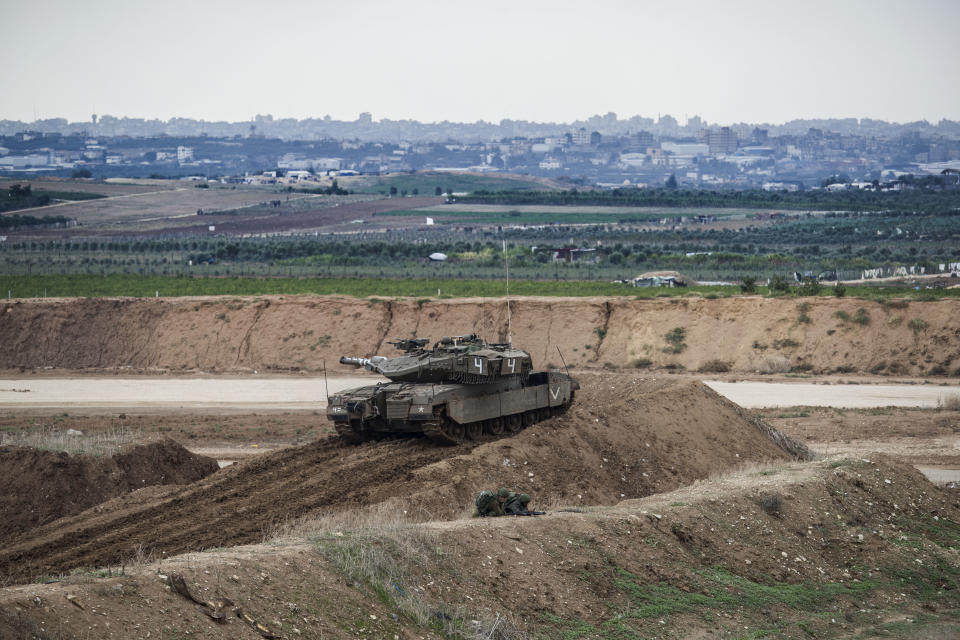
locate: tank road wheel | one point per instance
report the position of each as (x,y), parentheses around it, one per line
(514,423)
(443,430)
(455,430)
(529,417)
(474,430)
(495,426)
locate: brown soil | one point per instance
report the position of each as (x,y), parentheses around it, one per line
(919,437)
(171,212)
(195,430)
(626,437)
(38,487)
(283,333)
(829,549)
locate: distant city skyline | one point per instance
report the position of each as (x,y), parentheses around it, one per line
(759,62)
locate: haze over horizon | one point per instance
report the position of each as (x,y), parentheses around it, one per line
(757,62)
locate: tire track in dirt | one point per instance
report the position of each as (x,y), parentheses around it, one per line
(238,505)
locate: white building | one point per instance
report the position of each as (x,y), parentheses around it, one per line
(633,159)
(184,154)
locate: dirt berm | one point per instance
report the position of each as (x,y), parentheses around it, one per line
(830,549)
(37,487)
(744,333)
(625,437)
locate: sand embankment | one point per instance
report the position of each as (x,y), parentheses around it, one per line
(290,333)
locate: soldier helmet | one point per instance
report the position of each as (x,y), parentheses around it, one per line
(523,498)
(503,492)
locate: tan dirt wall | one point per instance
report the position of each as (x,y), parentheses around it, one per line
(289,333)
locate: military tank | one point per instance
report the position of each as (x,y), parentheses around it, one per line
(459,390)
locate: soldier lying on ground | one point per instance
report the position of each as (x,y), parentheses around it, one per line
(516,503)
(503,502)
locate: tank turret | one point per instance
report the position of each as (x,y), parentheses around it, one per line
(463,359)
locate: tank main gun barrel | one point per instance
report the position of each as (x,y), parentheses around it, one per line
(371,364)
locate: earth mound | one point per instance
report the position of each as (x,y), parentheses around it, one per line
(833,548)
(39,487)
(626,437)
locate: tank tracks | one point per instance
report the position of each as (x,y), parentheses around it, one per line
(446,432)
(348,433)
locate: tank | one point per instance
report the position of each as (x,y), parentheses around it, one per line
(461,389)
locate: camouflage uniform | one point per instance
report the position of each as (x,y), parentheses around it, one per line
(516,503)
(490,504)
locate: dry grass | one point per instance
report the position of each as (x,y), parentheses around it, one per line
(747,468)
(52,438)
(715,366)
(774,364)
(949,402)
(382,548)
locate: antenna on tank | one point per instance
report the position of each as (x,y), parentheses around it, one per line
(506,265)
(325,385)
(483,319)
(562,360)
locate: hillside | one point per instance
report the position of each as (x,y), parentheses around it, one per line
(291,333)
(837,548)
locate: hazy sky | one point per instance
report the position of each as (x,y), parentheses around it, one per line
(750,60)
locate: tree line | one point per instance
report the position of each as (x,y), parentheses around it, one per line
(927,197)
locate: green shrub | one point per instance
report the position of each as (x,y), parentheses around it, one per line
(641,363)
(779,284)
(861,317)
(917,325)
(840,290)
(810,287)
(676,340)
(748,284)
(841,315)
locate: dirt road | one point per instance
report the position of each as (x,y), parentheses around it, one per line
(173,394)
(756,395)
(230,394)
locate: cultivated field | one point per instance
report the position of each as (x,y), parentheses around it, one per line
(105,188)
